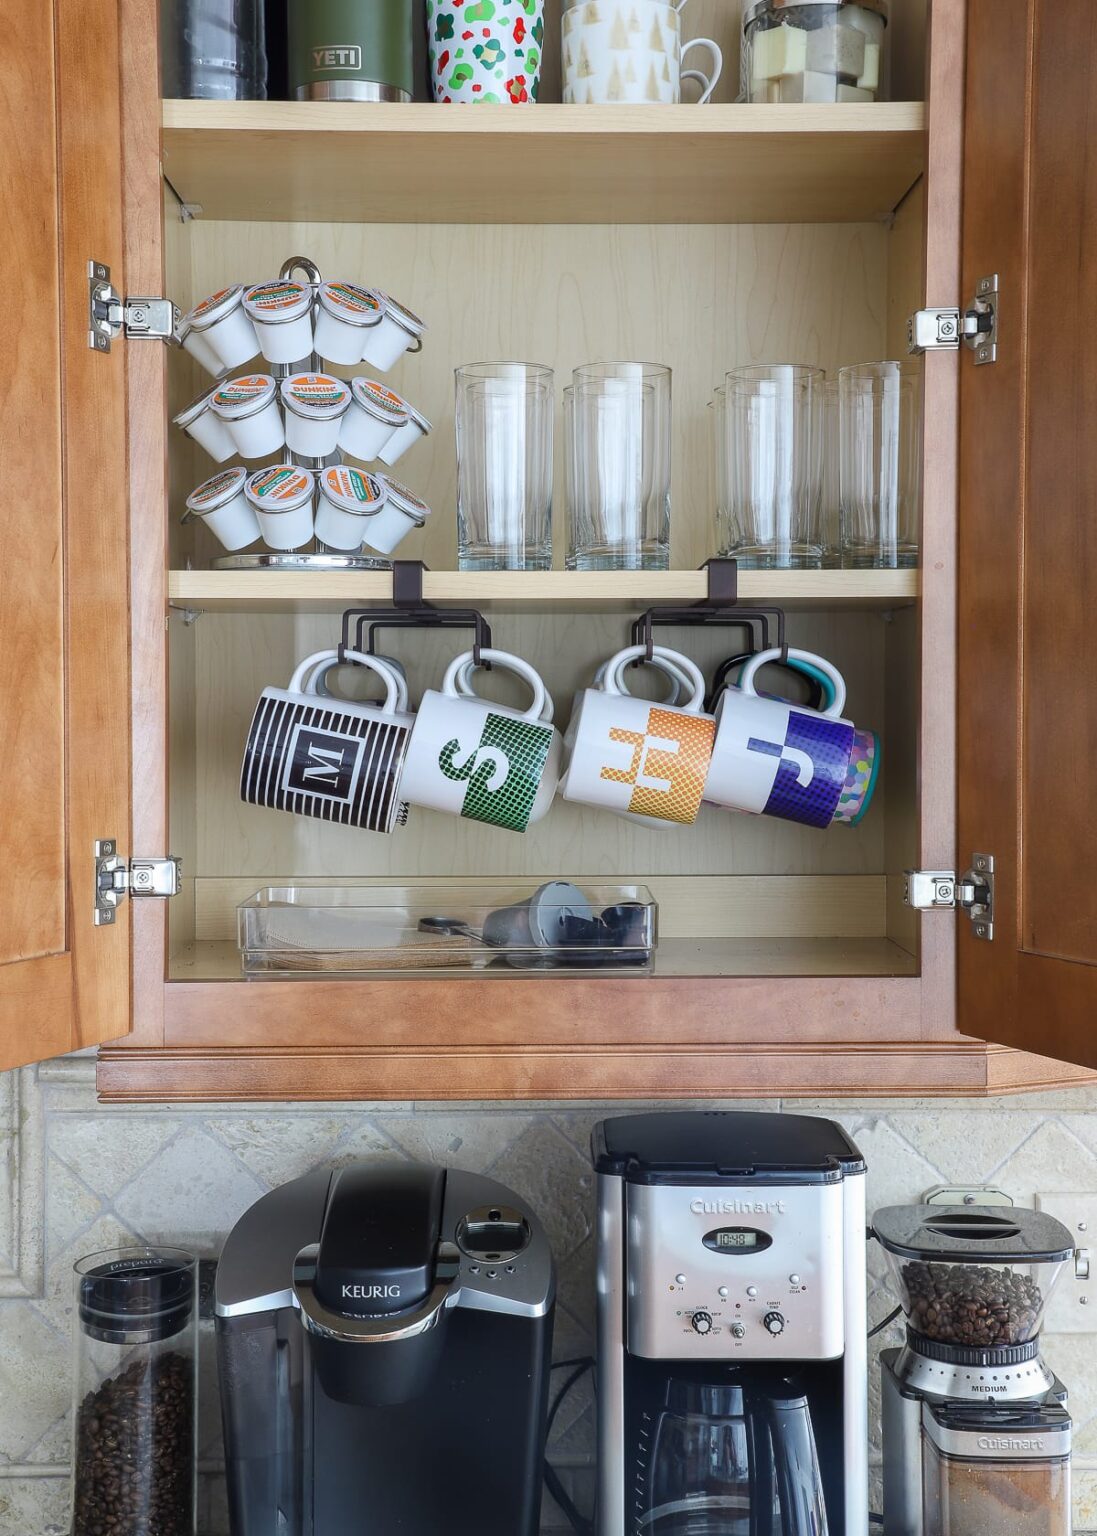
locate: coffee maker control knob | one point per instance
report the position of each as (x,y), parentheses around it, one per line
(774,1322)
(702,1322)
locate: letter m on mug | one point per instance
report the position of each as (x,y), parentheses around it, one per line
(331,760)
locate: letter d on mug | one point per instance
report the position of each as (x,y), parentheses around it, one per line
(636,757)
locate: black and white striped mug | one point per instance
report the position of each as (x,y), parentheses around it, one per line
(334,759)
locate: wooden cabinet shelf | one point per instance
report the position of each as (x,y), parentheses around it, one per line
(358,162)
(323,591)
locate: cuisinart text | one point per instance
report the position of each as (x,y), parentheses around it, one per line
(737,1207)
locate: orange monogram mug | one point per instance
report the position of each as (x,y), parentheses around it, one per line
(636,757)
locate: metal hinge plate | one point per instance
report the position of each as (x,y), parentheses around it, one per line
(943,330)
(116,878)
(931,890)
(109,315)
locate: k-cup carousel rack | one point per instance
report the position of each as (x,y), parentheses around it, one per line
(224,494)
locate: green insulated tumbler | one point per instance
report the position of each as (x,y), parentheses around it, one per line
(351,50)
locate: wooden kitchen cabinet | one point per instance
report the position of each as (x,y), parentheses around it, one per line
(703,237)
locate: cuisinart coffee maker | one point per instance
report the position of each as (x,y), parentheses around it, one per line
(383,1338)
(976,1437)
(732,1393)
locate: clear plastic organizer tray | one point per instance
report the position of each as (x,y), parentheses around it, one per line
(288,931)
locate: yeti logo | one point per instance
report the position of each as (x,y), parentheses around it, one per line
(345,56)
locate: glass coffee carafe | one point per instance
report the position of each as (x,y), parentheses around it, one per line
(733,1460)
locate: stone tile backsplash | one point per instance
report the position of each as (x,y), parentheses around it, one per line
(76,1176)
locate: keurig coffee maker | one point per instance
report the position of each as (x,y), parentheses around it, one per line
(732,1393)
(976,1434)
(383,1334)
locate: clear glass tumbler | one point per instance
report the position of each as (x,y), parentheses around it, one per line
(880,411)
(774,414)
(504,467)
(832,452)
(134,1393)
(718,405)
(214,49)
(620,467)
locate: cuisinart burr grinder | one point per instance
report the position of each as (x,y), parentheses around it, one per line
(975,1433)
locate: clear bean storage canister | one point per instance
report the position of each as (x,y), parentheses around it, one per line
(134,1397)
(815,50)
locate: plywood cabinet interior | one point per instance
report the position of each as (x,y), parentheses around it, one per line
(788,961)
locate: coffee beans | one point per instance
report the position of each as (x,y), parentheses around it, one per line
(135,1452)
(972,1304)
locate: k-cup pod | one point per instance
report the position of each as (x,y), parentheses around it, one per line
(282,314)
(222,504)
(283,500)
(413,431)
(401,512)
(861,777)
(345,315)
(199,420)
(350,503)
(195,343)
(248,407)
(373,416)
(314,405)
(399,329)
(222,322)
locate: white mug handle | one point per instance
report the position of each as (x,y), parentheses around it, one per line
(695,74)
(616,665)
(680,682)
(389,707)
(510,664)
(317,683)
(466,690)
(833,710)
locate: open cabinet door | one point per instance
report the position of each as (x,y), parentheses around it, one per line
(64,629)
(1027,755)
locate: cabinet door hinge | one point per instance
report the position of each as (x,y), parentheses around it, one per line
(110,316)
(116,878)
(943,330)
(930,890)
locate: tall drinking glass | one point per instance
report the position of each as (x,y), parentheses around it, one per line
(880,411)
(621,421)
(775,464)
(718,405)
(832,453)
(504,467)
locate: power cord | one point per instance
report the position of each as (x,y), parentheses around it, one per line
(578,1522)
(892,1315)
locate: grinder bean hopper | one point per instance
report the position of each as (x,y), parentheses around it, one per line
(976,1432)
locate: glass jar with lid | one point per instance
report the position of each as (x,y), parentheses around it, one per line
(815,51)
(135,1403)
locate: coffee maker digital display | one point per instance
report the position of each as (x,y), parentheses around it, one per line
(736,1239)
(731,1327)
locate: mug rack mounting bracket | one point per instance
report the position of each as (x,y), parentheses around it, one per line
(410,610)
(720,608)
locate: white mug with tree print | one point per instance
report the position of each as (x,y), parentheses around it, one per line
(630,52)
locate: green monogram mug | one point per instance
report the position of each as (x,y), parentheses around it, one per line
(480,760)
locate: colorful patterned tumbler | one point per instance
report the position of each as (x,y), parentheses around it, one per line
(486,50)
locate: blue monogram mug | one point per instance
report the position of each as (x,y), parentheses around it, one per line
(775,758)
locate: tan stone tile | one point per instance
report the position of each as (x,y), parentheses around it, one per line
(34,1506)
(276,1148)
(190,1194)
(471,1142)
(106,1150)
